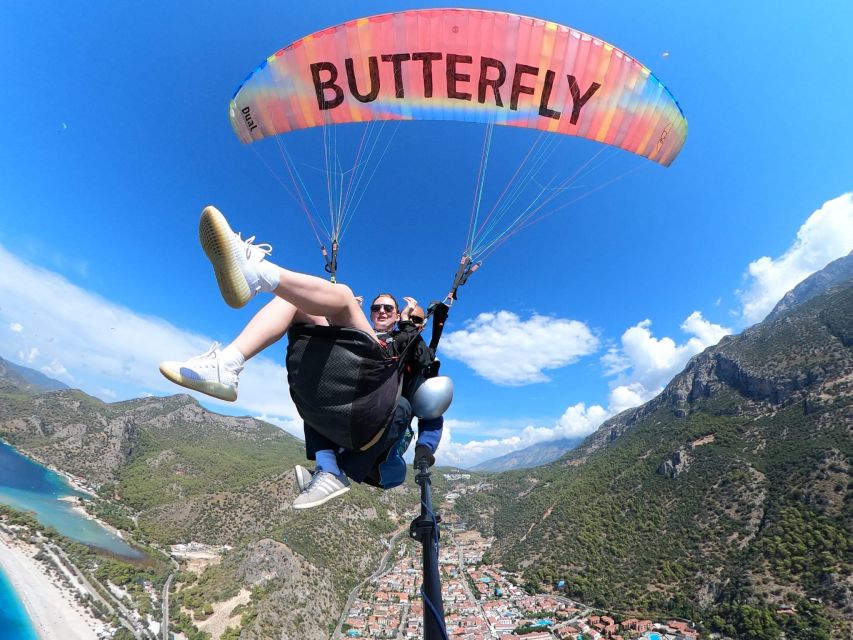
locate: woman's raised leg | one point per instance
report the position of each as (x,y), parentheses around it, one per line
(242,271)
(269,325)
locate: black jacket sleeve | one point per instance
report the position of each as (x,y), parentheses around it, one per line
(417,360)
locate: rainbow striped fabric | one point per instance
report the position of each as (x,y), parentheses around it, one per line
(461,64)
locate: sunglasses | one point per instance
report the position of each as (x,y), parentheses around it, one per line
(416,319)
(387,308)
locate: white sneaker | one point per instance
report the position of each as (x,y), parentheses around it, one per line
(323,487)
(235,261)
(303,476)
(205,373)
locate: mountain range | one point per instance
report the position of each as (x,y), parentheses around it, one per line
(532,456)
(835,273)
(726,499)
(15,377)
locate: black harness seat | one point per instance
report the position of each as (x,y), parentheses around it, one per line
(342,383)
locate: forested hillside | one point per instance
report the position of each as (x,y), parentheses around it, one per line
(725,499)
(168,471)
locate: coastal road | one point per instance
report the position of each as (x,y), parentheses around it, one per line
(164,625)
(126,618)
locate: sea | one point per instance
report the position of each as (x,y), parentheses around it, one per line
(14,623)
(29,486)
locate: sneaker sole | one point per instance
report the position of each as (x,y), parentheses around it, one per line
(213,389)
(217,240)
(325,499)
(302,474)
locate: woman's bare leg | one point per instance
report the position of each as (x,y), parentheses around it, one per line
(317,297)
(242,271)
(269,325)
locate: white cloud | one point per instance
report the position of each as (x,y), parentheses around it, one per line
(470,453)
(507,350)
(462,425)
(28,355)
(16,327)
(826,235)
(108,350)
(630,395)
(291,425)
(55,369)
(705,333)
(577,421)
(643,364)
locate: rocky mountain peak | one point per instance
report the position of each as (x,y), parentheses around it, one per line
(834,274)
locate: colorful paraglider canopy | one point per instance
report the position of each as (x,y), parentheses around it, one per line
(462,64)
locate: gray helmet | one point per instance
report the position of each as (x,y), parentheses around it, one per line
(433,397)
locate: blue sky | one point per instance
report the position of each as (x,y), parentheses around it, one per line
(116,134)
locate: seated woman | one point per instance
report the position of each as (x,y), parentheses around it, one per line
(381,463)
(242,271)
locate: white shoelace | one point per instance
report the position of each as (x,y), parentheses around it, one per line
(210,353)
(264,247)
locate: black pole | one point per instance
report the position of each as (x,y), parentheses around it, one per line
(439,312)
(424,529)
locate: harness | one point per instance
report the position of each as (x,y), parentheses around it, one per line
(342,383)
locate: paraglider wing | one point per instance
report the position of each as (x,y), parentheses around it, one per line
(461,64)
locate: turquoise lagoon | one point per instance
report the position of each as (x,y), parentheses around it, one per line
(29,486)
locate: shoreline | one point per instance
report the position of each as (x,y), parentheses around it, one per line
(73,481)
(79,508)
(50,604)
(76,484)
(75,493)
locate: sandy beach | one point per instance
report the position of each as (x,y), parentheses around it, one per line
(55,613)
